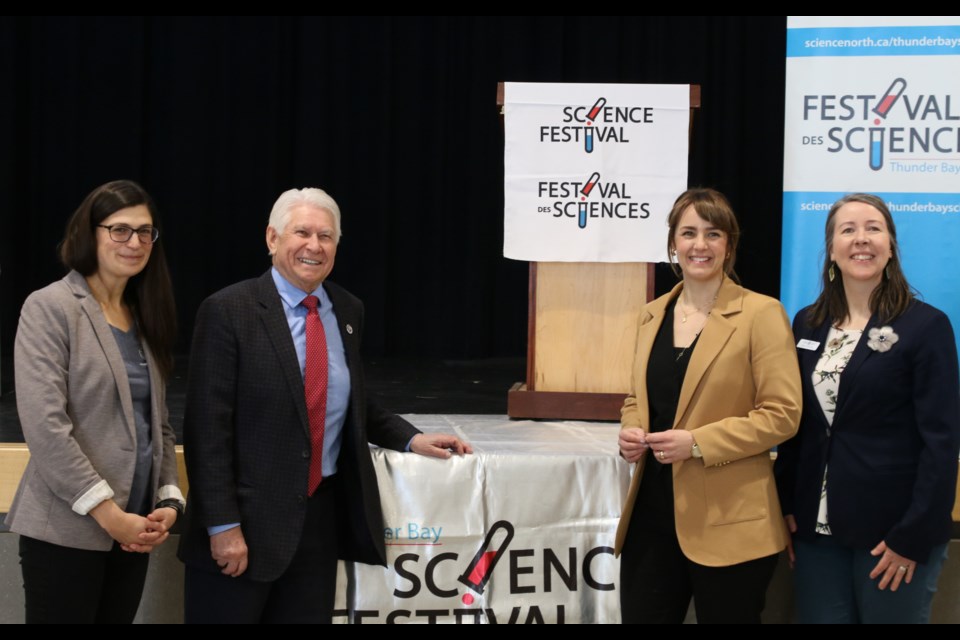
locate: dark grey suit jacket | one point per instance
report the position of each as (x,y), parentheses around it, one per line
(246,435)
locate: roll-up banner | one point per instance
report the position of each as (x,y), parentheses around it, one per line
(873,105)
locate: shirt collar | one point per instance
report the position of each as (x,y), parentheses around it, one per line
(292,296)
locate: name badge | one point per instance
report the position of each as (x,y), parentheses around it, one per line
(809,345)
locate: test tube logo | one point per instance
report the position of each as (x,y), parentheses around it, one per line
(493,548)
(876,148)
(595,109)
(591,183)
(588,130)
(885,104)
(585,191)
(890,98)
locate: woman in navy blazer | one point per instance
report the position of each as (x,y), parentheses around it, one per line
(91,358)
(867,485)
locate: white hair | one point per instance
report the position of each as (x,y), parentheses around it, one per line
(288,200)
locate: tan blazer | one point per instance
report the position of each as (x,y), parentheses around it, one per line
(75,407)
(740,397)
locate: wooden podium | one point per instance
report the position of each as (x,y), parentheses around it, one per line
(582,333)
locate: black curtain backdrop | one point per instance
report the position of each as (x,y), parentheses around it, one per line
(395,117)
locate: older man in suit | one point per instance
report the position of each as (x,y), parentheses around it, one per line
(276,434)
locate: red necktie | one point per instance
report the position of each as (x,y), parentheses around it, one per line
(315,388)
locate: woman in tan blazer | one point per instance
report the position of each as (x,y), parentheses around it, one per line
(715,387)
(91,357)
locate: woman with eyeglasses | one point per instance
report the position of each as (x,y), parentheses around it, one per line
(91,358)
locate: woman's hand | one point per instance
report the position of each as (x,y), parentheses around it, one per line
(133,532)
(892,566)
(162,519)
(159,524)
(633,443)
(671,446)
(791,523)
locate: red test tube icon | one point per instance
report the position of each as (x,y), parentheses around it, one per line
(595,109)
(591,183)
(890,97)
(478,571)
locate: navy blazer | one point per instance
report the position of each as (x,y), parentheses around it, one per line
(893,447)
(247,438)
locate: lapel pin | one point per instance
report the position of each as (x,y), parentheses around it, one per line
(350,329)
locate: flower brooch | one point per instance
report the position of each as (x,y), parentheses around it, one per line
(882,339)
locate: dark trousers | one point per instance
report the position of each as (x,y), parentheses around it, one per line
(303,594)
(833,586)
(77,586)
(657,580)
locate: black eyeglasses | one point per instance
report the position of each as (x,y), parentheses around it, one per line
(122,233)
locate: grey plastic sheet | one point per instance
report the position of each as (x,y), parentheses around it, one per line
(521,531)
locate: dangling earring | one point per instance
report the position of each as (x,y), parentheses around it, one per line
(832,273)
(886,271)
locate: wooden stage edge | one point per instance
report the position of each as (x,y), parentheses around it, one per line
(13,461)
(14,457)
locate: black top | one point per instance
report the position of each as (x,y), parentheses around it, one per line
(666,369)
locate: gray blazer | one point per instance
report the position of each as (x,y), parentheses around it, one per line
(75,407)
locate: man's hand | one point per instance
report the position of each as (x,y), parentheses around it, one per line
(439,445)
(229,550)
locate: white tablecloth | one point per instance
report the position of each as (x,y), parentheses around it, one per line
(520,531)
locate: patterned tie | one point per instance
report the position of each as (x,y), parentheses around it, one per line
(315,388)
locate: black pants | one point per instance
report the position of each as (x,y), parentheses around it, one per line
(303,594)
(76,586)
(657,580)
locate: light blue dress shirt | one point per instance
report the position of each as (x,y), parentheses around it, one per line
(338,374)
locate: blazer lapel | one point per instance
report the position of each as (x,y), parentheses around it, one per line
(650,323)
(808,362)
(860,354)
(275,323)
(108,343)
(713,337)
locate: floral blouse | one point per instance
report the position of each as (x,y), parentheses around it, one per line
(826,380)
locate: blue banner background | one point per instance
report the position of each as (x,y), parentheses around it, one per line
(928,238)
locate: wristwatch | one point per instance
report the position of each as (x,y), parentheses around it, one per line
(171,503)
(695,451)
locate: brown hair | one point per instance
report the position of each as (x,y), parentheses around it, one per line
(891,297)
(712,206)
(149,294)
